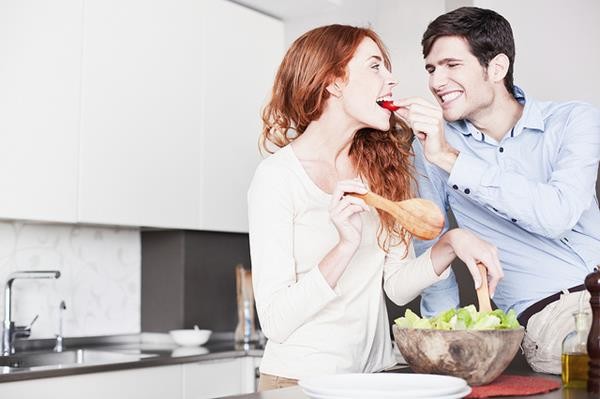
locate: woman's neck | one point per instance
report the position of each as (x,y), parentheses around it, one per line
(323,150)
(327,139)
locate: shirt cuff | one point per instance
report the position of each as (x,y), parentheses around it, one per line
(467,173)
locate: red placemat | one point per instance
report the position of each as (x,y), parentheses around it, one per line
(514,385)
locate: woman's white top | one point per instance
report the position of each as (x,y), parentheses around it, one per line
(313,329)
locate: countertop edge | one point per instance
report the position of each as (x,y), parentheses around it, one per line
(158,360)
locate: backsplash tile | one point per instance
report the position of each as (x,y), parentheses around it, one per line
(100,277)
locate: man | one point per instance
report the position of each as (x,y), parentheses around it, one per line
(518,172)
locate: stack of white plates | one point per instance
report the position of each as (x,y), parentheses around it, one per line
(384,386)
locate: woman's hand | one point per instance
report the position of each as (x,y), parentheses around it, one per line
(472,250)
(345,210)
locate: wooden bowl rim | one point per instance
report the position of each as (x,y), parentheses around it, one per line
(520,328)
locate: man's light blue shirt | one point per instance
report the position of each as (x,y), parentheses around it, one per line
(532,195)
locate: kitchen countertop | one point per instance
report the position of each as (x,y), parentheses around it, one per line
(518,366)
(296,393)
(160,352)
(147,350)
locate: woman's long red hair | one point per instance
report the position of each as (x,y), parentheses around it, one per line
(383,159)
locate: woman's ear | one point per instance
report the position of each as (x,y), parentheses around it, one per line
(335,89)
(498,67)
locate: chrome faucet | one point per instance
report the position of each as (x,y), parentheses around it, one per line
(59,337)
(10,332)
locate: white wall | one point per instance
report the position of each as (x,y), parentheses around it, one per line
(351,12)
(401,26)
(557,46)
(399,23)
(557,41)
(100,281)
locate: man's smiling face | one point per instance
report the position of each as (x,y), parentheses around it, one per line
(457,79)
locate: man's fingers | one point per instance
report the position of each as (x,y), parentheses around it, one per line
(420,135)
(412,102)
(425,119)
(425,128)
(402,112)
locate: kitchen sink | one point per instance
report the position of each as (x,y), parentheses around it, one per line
(71,357)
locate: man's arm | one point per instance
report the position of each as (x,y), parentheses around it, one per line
(548,208)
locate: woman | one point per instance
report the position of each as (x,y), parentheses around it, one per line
(320,258)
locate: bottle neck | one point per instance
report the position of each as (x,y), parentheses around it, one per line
(582,321)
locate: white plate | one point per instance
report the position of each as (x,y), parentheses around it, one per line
(457,395)
(381,385)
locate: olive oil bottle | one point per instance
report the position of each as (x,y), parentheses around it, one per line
(575,370)
(574,356)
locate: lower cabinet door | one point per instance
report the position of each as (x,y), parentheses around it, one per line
(143,383)
(215,378)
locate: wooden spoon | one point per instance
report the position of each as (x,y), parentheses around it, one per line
(483,293)
(420,217)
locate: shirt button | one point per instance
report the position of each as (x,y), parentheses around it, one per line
(501,149)
(467,191)
(514,220)
(455,187)
(495,210)
(566,239)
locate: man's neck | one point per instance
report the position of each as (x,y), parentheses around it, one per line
(500,117)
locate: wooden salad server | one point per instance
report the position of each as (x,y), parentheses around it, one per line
(483,293)
(420,217)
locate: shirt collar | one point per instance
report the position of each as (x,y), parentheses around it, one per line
(532,118)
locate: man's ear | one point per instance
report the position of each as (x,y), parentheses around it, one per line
(334,88)
(498,67)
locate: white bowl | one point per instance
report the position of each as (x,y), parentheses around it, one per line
(182,351)
(190,337)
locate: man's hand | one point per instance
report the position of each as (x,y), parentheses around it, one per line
(427,121)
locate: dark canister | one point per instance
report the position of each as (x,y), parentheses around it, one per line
(592,283)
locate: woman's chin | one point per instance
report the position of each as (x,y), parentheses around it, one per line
(381,124)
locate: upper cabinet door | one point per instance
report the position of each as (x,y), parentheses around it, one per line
(40,58)
(242,51)
(141,117)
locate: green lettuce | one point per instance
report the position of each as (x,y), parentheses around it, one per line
(467,318)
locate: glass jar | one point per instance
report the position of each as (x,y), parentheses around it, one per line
(574,358)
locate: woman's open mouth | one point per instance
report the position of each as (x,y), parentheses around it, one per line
(387,103)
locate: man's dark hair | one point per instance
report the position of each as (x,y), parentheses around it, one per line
(487,33)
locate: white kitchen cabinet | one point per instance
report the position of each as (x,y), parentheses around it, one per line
(40,53)
(143,383)
(141,117)
(242,50)
(171,96)
(217,378)
(129,112)
(201,380)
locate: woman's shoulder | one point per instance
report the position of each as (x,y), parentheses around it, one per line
(277,167)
